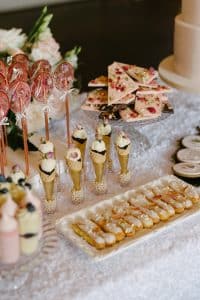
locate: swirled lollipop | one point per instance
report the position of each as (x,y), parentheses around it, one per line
(41,88)
(41,65)
(17,71)
(3,83)
(3,68)
(20,97)
(22,59)
(4,107)
(63,80)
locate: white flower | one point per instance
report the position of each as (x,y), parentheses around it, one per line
(11,40)
(46,48)
(72,56)
(73,60)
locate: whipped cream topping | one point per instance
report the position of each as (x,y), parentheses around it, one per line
(122,140)
(104,128)
(48,164)
(46,147)
(9,208)
(73,154)
(8,224)
(80,133)
(16,176)
(98,146)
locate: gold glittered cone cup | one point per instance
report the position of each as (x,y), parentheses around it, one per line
(123,160)
(98,161)
(107,141)
(75,170)
(99,171)
(81,147)
(123,157)
(48,184)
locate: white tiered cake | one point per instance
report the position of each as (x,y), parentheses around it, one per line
(183,68)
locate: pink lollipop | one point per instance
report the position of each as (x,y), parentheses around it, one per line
(4,107)
(3,68)
(20,97)
(3,83)
(21,58)
(64,76)
(17,71)
(41,88)
(63,80)
(41,65)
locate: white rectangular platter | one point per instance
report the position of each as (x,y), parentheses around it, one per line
(63,225)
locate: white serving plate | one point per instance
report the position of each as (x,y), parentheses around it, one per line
(64,228)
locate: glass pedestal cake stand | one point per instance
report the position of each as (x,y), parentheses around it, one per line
(141,142)
(13,276)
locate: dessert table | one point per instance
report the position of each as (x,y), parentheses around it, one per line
(164,267)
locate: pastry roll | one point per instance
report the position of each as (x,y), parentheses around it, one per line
(152,214)
(113,228)
(105,221)
(145,219)
(167,207)
(129,229)
(133,220)
(109,238)
(181,198)
(87,231)
(179,207)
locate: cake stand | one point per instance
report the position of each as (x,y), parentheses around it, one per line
(13,276)
(168,74)
(140,141)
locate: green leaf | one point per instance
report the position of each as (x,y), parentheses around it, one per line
(40,25)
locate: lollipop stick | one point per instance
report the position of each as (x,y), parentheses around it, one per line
(67,120)
(1,151)
(46,117)
(25,139)
(5,143)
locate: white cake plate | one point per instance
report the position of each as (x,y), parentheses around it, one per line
(169,75)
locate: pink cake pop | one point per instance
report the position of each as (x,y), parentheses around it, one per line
(20,97)
(41,88)
(4,107)
(63,80)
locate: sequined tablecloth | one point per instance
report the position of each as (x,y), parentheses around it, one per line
(163,268)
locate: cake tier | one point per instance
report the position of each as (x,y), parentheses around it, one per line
(191,11)
(187,49)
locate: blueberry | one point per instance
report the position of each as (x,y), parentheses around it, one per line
(30,207)
(4,191)
(28,185)
(2,178)
(9,179)
(21,181)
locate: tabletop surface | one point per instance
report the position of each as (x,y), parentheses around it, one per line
(165,267)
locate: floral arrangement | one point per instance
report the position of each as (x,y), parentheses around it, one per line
(38,44)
